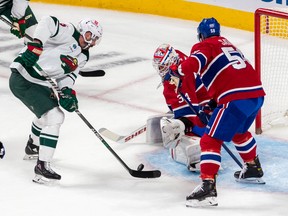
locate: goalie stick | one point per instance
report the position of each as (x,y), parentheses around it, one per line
(86,73)
(122,138)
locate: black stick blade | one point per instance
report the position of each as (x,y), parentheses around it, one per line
(93,73)
(145,174)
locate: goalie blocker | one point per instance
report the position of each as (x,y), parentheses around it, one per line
(182,149)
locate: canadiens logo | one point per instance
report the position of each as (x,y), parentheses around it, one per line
(159,54)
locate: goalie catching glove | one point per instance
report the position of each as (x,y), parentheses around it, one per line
(68,100)
(18,27)
(172,130)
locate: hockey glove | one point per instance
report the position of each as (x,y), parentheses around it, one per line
(19,27)
(2,150)
(68,101)
(206,111)
(172,130)
(188,124)
(211,105)
(69,64)
(175,77)
(31,55)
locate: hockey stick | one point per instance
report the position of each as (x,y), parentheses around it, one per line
(92,73)
(223,144)
(86,73)
(125,138)
(135,173)
(232,155)
(122,138)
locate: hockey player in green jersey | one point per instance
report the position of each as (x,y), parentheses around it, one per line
(60,49)
(20,14)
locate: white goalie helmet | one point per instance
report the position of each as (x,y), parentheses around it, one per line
(164,56)
(93,26)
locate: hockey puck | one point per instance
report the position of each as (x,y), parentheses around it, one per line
(140,167)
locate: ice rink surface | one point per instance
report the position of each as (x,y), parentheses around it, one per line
(93,181)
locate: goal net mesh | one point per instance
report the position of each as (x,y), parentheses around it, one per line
(273,52)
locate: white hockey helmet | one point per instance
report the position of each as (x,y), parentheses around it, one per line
(93,26)
(164,56)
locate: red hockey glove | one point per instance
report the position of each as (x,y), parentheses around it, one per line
(69,64)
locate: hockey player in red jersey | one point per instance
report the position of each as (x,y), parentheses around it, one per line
(183,149)
(233,83)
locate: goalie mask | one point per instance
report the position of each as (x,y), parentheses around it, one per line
(164,56)
(88,25)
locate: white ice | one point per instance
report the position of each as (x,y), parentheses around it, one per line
(93,181)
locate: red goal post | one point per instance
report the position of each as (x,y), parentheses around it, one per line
(271,64)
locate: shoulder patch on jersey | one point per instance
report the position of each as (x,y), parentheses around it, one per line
(73,47)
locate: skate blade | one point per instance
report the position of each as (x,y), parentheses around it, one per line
(209,201)
(251,180)
(30,157)
(39,179)
(193,169)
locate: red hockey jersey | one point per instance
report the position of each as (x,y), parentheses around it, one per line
(225,72)
(195,92)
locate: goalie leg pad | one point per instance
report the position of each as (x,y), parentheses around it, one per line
(153,130)
(187,152)
(193,150)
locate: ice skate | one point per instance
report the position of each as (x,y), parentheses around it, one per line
(44,173)
(31,150)
(250,173)
(203,195)
(194,167)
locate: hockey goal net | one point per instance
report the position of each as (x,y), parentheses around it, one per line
(271,63)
